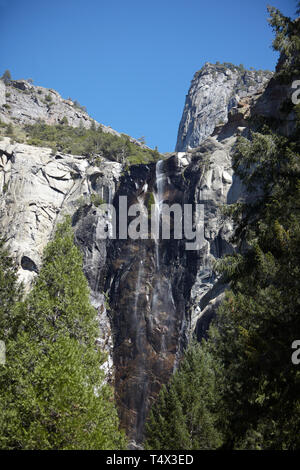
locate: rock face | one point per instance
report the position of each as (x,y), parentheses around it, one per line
(37,190)
(214,91)
(24,103)
(276,104)
(159,292)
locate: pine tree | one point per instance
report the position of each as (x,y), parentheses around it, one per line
(52,390)
(10,290)
(6,77)
(286,41)
(185,413)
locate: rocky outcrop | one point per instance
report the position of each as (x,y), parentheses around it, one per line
(37,189)
(214,91)
(23,103)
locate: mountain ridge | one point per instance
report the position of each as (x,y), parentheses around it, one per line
(22,102)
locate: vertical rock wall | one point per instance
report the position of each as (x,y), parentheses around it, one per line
(214,91)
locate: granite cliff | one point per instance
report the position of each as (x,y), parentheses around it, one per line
(22,103)
(151,295)
(214,91)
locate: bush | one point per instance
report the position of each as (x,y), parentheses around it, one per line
(96,200)
(48,98)
(64,121)
(10,130)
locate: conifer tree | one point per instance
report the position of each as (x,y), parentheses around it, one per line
(184,415)
(52,389)
(6,77)
(10,291)
(286,41)
(259,319)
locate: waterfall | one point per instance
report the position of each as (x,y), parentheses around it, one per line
(109,195)
(159,289)
(138,288)
(158,199)
(140,366)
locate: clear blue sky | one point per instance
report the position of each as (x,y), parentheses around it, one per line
(130,62)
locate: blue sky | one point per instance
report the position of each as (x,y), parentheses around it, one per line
(131,62)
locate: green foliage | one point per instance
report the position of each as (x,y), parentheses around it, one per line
(10,291)
(52,390)
(48,98)
(259,318)
(184,415)
(287,42)
(10,130)
(64,121)
(88,142)
(97,200)
(150,202)
(223,67)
